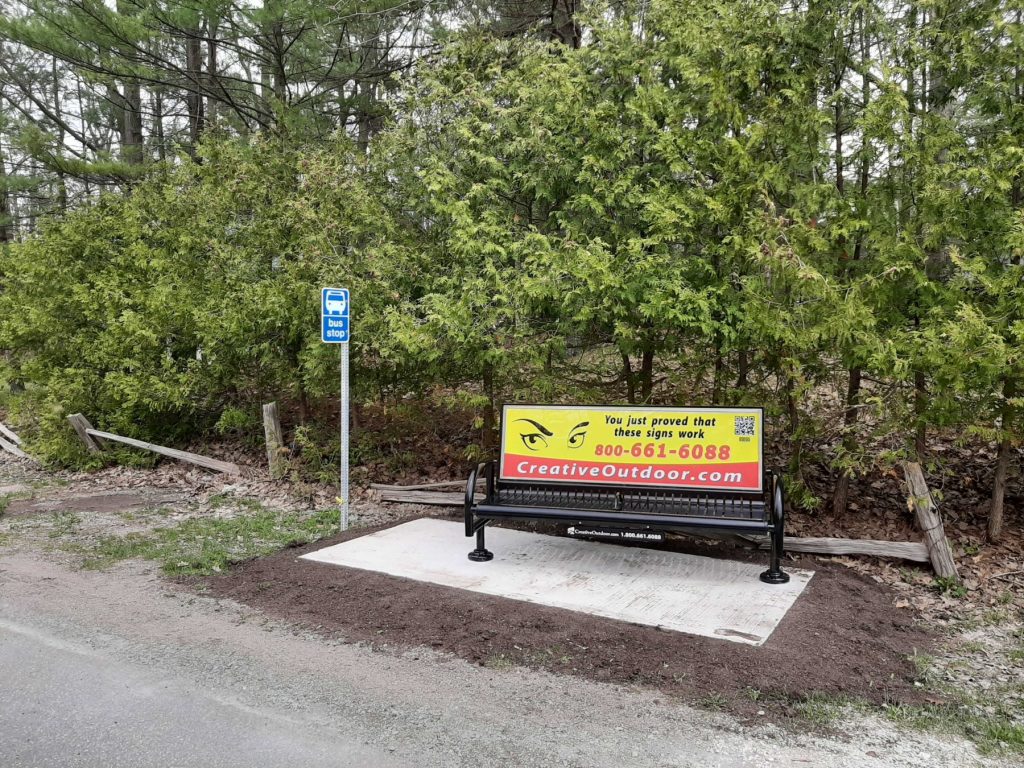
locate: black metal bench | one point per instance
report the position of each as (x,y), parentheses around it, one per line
(629,508)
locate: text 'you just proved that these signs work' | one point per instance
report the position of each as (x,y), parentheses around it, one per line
(702,448)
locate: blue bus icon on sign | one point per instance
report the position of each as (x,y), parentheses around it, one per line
(335,301)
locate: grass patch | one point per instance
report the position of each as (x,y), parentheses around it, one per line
(990,726)
(948,585)
(991,732)
(1000,734)
(822,709)
(714,702)
(973,646)
(201,546)
(924,668)
(64,524)
(226,500)
(548,657)
(545,658)
(499,661)
(990,618)
(130,516)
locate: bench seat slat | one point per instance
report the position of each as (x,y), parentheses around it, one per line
(631,502)
(631,518)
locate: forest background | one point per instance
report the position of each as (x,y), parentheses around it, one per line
(817,207)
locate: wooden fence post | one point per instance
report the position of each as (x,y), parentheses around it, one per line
(82,427)
(929,521)
(275,441)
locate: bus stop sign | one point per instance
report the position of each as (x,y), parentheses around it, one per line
(334,316)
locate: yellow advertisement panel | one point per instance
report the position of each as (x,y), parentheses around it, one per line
(700,448)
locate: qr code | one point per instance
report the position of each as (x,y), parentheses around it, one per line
(745,426)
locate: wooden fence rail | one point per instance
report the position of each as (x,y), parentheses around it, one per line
(94,441)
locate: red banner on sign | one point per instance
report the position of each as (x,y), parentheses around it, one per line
(742,476)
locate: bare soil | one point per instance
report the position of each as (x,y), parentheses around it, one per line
(843,637)
(101,502)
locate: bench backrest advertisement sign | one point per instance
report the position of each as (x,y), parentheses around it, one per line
(698,448)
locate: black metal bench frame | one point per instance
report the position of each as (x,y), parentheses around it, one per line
(629,507)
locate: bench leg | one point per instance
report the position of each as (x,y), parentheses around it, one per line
(775,574)
(480,554)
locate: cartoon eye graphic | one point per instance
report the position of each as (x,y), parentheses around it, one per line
(534,441)
(577,434)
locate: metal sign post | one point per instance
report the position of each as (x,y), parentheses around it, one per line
(334,329)
(344,437)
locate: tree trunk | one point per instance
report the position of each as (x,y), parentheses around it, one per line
(840,498)
(193,99)
(158,126)
(133,136)
(280,78)
(365,94)
(995,515)
(743,365)
(920,406)
(796,462)
(564,26)
(841,494)
(840,170)
(130,125)
(936,94)
(487,433)
(210,80)
(304,406)
(646,375)
(62,187)
(630,377)
(719,372)
(119,119)
(6,217)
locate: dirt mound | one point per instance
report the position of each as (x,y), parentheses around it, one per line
(843,637)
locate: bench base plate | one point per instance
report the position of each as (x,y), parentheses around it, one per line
(781,577)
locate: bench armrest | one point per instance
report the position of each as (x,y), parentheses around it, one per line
(779,499)
(470,499)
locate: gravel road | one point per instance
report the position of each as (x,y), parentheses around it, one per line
(120,668)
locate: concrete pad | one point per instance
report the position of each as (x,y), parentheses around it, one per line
(684,593)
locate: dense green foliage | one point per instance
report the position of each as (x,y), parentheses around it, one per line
(817,209)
